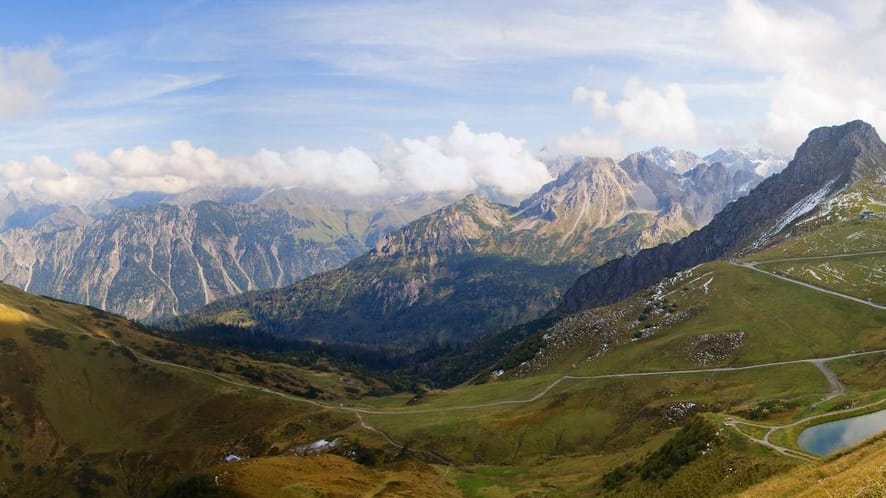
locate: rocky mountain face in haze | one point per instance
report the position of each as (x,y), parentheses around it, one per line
(145,259)
(830,159)
(476,266)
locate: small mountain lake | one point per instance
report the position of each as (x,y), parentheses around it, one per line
(833,436)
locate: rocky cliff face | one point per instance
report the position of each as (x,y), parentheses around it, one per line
(829,160)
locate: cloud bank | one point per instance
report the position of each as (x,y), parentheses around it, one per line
(642,113)
(463,160)
(825,71)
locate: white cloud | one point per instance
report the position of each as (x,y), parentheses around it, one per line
(350,170)
(465,160)
(461,161)
(25,77)
(811,67)
(644,112)
(585,143)
(825,71)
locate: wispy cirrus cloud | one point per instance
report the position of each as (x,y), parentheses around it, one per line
(26,77)
(142,89)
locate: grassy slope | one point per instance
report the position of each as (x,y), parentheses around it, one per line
(331,475)
(835,227)
(564,443)
(780,321)
(90,413)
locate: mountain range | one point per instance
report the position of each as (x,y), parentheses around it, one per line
(149,255)
(476,266)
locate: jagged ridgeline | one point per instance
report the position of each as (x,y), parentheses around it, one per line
(476,266)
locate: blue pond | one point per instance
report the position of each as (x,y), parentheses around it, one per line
(827,438)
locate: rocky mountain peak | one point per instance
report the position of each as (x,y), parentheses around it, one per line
(448,231)
(837,154)
(594,191)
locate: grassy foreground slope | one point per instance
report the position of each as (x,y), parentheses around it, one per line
(82,414)
(715,315)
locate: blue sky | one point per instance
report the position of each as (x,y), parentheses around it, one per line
(594,77)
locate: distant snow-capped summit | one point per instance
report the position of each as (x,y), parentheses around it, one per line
(760,161)
(675,161)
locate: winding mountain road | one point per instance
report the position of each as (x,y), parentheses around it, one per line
(837,387)
(752,265)
(828,256)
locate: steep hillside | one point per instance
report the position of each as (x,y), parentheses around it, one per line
(475,266)
(830,160)
(407,291)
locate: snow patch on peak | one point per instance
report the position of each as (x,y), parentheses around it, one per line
(799,209)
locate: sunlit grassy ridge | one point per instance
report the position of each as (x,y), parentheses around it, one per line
(81,416)
(670,327)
